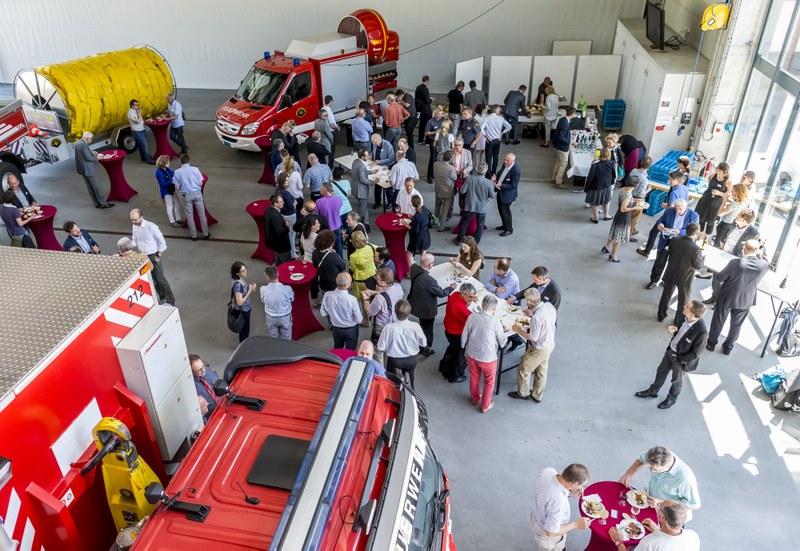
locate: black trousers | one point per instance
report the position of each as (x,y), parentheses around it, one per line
(659,265)
(666,295)
(408,125)
(345,337)
(667,365)
(738,315)
(514,133)
(455,365)
(492,156)
(401,367)
(505,214)
(423,121)
(432,159)
(245,332)
(427,329)
(466,219)
(651,238)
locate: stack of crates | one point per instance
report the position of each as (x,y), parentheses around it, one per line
(655,199)
(697,184)
(613,113)
(660,170)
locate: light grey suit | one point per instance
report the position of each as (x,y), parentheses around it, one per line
(363,183)
(444,178)
(86,166)
(466,161)
(324,128)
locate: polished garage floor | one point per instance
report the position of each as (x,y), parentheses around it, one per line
(608,345)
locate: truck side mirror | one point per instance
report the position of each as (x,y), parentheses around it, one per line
(220,388)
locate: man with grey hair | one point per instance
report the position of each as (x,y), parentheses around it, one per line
(483,336)
(343,311)
(147,237)
(126,249)
(323,126)
(670,479)
(86,166)
(476,190)
(669,533)
(506,184)
(362,130)
(314,146)
(453,365)
(424,295)
(444,185)
(672,223)
(174,114)
(541,335)
(317,173)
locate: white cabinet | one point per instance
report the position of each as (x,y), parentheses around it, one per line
(155,365)
(659,88)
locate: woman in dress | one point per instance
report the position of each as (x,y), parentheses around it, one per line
(362,264)
(311,228)
(469,259)
(240,294)
(479,153)
(620,231)
(599,184)
(419,233)
(709,204)
(327,262)
(166,187)
(550,113)
(738,200)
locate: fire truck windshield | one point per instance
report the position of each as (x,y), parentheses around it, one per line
(261,86)
(424,524)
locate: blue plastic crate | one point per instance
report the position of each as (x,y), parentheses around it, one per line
(613,114)
(655,199)
(697,185)
(660,170)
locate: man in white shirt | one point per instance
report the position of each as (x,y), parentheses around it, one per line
(668,535)
(494,126)
(189,181)
(148,239)
(401,341)
(139,131)
(277,299)
(334,127)
(550,515)
(175,116)
(399,173)
(344,312)
(403,200)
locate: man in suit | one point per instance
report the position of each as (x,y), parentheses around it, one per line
(277,231)
(382,153)
(86,166)
(682,354)
(444,181)
(549,291)
(22,197)
(423,298)
(80,239)
(672,224)
(743,230)
(322,126)
(477,190)
(316,147)
(506,185)
(422,102)
(514,105)
(561,140)
(362,185)
(685,257)
(738,285)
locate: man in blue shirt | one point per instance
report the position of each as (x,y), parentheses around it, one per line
(362,130)
(189,181)
(317,174)
(277,299)
(503,282)
(204,379)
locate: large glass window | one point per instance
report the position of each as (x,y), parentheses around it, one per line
(791,63)
(776,29)
(754,101)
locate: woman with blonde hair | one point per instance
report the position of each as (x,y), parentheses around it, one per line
(166,187)
(469,259)
(612,144)
(738,199)
(362,264)
(550,113)
(295,179)
(443,141)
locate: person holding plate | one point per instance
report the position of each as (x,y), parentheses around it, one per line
(551,512)
(668,534)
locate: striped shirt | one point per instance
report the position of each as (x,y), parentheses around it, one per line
(550,501)
(482,336)
(543,326)
(494,126)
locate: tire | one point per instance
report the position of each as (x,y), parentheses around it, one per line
(6,170)
(126,142)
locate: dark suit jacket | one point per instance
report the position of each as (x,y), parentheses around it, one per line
(551,294)
(508,187)
(685,257)
(317,149)
(739,282)
(85,161)
(424,292)
(26,193)
(691,345)
(422,100)
(562,136)
(514,103)
(668,219)
(71,242)
(750,232)
(277,232)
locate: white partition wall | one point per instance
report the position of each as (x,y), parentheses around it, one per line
(597,78)
(572,47)
(560,69)
(507,73)
(472,69)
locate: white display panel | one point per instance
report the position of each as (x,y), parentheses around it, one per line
(506,74)
(560,69)
(472,69)
(572,47)
(597,78)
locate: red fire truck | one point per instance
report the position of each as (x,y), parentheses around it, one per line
(302,453)
(359,59)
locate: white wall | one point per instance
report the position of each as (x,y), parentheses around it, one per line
(212,43)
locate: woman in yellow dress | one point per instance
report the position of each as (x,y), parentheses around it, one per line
(362,264)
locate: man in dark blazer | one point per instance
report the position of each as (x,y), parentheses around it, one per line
(682,354)
(684,258)
(315,146)
(20,192)
(549,291)
(277,231)
(78,238)
(422,103)
(506,184)
(423,297)
(514,104)
(733,243)
(361,184)
(672,224)
(737,293)
(86,166)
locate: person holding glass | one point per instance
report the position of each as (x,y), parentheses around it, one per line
(241,291)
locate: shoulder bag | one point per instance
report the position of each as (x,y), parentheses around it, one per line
(235,317)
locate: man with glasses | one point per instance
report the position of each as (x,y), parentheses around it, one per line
(669,533)
(148,239)
(204,379)
(551,511)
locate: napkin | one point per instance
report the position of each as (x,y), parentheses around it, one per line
(593,497)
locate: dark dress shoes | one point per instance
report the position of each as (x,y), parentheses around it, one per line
(646,394)
(517,396)
(506,233)
(650,285)
(668,403)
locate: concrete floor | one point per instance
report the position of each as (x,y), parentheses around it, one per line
(744,454)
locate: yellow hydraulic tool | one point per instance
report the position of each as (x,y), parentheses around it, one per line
(715,17)
(125,474)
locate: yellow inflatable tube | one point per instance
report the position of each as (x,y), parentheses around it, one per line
(97,90)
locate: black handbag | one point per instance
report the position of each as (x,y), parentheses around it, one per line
(235,317)
(168,178)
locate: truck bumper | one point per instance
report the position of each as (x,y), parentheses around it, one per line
(237,142)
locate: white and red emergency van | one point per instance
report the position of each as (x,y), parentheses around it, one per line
(303,453)
(359,59)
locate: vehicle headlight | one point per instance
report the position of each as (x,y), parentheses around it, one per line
(249,129)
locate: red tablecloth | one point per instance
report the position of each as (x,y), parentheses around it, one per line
(394,233)
(160,129)
(119,189)
(42,229)
(609,492)
(303,319)
(343,353)
(209,217)
(264,143)
(257,210)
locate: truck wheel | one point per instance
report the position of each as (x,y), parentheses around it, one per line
(6,170)
(126,142)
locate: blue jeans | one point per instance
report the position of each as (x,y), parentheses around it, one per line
(141,140)
(176,135)
(339,244)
